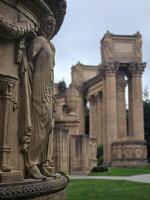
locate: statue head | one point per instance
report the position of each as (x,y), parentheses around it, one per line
(48,26)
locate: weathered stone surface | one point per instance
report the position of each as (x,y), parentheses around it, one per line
(121,48)
(58,196)
(129,153)
(27,97)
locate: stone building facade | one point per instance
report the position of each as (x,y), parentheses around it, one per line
(104,91)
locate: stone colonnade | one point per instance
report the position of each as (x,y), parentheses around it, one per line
(108,115)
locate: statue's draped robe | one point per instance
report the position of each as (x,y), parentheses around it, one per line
(39,98)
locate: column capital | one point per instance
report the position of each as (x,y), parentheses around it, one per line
(110,68)
(136,68)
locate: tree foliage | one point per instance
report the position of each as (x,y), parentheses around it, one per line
(99,155)
(146,104)
(62,86)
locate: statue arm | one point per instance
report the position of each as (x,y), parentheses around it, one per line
(9,30)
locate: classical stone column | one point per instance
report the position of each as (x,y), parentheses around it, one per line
(121,105)
(136,104)
(100,118)
(110,109)
(130,119)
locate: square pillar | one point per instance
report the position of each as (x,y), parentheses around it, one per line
(61,149)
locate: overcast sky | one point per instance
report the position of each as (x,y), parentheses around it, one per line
(85,24)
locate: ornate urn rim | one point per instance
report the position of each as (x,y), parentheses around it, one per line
(32,188)
(38,8)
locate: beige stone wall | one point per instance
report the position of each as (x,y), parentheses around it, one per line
(9,67)
(58,196)
(121,48)
(81,73)
(61,149)
(80,162)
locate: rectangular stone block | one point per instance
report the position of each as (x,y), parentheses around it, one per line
(57,196)
(14,176)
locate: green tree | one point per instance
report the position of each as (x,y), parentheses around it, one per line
(146,103)
(99,155)
(62,86)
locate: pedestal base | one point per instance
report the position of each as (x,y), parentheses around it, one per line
(57,196)
(13,176)
(129,154)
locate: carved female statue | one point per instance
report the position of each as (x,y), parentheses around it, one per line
(37,73)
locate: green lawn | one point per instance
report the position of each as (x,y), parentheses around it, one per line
(123,171)
(107,190)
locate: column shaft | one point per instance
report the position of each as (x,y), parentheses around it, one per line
(99,119)
(137,101)
(110,109)
(121,107)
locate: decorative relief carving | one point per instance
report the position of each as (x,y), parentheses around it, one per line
(106,47)
(110,68)
(122,48)
(138,44)
(137,68)
(9,30)
(7,84)
(129,151)
(35,55)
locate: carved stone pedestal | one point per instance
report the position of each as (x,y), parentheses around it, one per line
(7,108)
(7,177)
(58,196)
(129,153)
(22,24)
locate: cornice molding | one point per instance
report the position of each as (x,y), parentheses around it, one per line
(40,9)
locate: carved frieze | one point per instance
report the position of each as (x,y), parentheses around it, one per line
(7,84)
(109,68)
(40,9)
(136,68)
(129,151)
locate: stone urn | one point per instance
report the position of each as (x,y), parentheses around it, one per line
(72,100)
(22,23)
